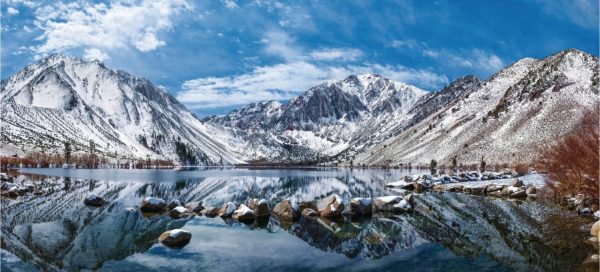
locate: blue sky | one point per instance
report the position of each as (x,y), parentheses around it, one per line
(216,55)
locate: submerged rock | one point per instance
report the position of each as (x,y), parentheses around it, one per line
(287,210)
(195,206)
(152,204)
(227,209)
(361,206)
(331,206)
(260,207)
(243,214)
(180,212)
(175,238)
(93,200)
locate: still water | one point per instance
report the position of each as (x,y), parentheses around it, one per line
(447,231)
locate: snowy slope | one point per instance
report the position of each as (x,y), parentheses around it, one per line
(526,105)
(330,119)
(64,99)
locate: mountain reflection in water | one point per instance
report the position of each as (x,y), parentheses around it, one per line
(55,231)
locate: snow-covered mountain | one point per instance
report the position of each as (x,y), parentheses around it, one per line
(65,99)
(505,119)
(330,119)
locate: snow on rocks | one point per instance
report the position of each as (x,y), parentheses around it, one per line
(152,204)
(210,211)
(93,200)
(361,206)
(195,206)
(331,206)
(287,210)
(391,204)
(174,203)
(176,238)
(227,209)
(260,207)
(180,212)
(244,214)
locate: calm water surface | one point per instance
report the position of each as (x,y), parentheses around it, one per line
(448,231)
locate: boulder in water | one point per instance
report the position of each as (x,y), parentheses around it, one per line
(308,212)
(93,200)
(361,206)
(243,214)
(152,204)
(180,212)
(175,238)
(227,209)
(287,210)
(260,207)
(390,204)
(211,211)
(195,206)
(331,206)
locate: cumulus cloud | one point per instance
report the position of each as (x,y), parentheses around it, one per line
(95,54)
(286,80)
(121,24)
(12,11)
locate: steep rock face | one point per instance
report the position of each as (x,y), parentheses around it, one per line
(64,99)
(324,122)
(505,119)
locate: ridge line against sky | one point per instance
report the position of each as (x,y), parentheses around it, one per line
(217,55)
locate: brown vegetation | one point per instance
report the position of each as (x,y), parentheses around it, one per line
(572,163)
(40,159)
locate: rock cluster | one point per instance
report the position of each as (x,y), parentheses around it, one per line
(516,190)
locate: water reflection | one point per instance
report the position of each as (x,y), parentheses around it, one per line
(55,231)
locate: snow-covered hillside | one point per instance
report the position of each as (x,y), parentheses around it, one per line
(331,119)
(65,99)
(507,118)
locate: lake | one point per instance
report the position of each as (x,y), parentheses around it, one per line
(447,231)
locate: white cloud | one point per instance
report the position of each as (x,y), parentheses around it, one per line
(330,54)
(286,80)
(410,44)
(581,12)
(121,24)
(300,70)
(12,11)
(475,59)
(279,43)
(95,54)
(230,4)
(27,3)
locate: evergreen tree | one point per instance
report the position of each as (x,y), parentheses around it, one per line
(67,152)
(433,167)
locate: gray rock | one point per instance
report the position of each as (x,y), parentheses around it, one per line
(361,206)
(175,238)
(152,204)
(93,200)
